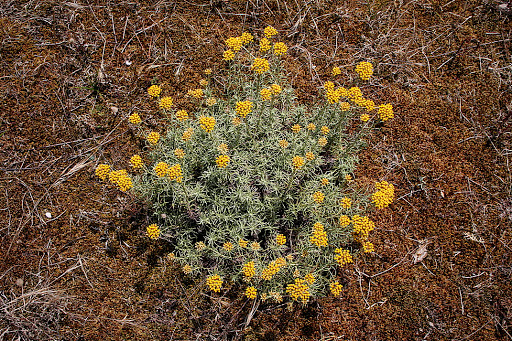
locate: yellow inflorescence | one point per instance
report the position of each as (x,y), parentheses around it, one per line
(368,247)
(161,169)
(333,96)
(365,117)
(246,38)
(324,181)
(223,148)
(344,221)
(346,202)
(187,134)
(309,278)
(280,49)
(187,269)
(121,179)
(311,126)
(342,257)
(236,121)
(365,70)
(251,292)
(207,123)
(181,115)
(336,71)
(154,90)
(296,128)
(362,227)
(196,93)
(234,44)
(335,288)
(344,106)
(102,171)
(283,143)
(348,177)
(266,94)
(175,173)
(386,112)
(228,246)
(354,92)
(273,268)
(322,141)
(310,156)
(298,291)
(243,108)
(385,194)
(153,137)
(249,269)
(260,65)
(136,161)
(153,231)
(297,162)
(325,130)
(211,101)
(270,31)
(276,89)
(203,82)
(318,197)
(281,239)
(265,45)
(166,103)
(243,243)
(222,161)
(134,118)
(180,154)
(214,282)
(319,237)
(329,86)
(208,71)
(200,246)
(255,246)
(228,55)
(369,105)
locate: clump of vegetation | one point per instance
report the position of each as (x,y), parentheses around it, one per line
(252,187)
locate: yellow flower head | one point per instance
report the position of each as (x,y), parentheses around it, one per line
(335,288)
(346,202)
(332,96)
(236,121)
(222,161)
(281,239)
(270,31)
(386,112)
(297,162)
(211,101)
(249,269)
(228,246)
(309,278)
(342,257)
(365,117)
(280,49)
(284,144)
(207,123)
(102,171)
(187,269)
(180,154)
(207,71)
(200,246)
(246,38)
(196,93)
(153,231)
(214,282)
(319,236)
(318,197)
(265,45)
(228,55)
(260,65)
(243,243)
(311,126)
(298,290)
(175,173)
(272,268)
(362,227)
(181,115)
(161,169)
(166,103)
(336,71)
(324,130)
(153,137)
(344,221)
(203,82)
(243,108)
(276,89)
(255,246)
(136,161)
(368,247)
(154,90)
(251,292)
(354,92)
(365,70)
(348,177)
(369,105)
(344,106)
(322,141)
(234,44)
(329,86)
(310,156)
(187,134)
(325,181)
(385,194)
(134,118)
(296,128)
(266,94)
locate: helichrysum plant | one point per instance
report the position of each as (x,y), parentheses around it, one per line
(252,188)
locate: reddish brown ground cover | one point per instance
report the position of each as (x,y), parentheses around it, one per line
(71,72)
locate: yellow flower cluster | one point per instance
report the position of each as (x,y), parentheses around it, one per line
(319,237)
(211,101)
(344,106)
(336,71)
(369,105)
(180,154)
(207,123)
(223,148)
(386,112)
(187,269)
(311,127)
(329,86)
(342,257)
(365,70)
(236,121)
(260,65)
(280,49)
(354,93)
(281,239)
(310,156)
(335,288)
(255,246)
(348,177)
(298,162)
(134,118)
(266,94)
(121,179)
(234,44)
(153,137)
(368,247)
(344,221)
(243,108)
(246,38)
(322,141)
(385,194)
(153,231)
(270,31)
(333,96)
(203,82)
(102,171)
(296,128)
(346,202)
(187,134)
(276,89)
(208,71)
(166,103)
(228,55)
(365,117)
(200,246)
(325,130)
(324,181)
(298,291)
(265,45)
(309,278)
(243,243)
(175,173)
(283,143)
(161,169)
(318,197)
(154,90)
(273,268)
(251,292)
(196,93)
(136,161)
(249,269)
(228,246)
(181,115)
(222,161)
(214,282)
(362,227)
